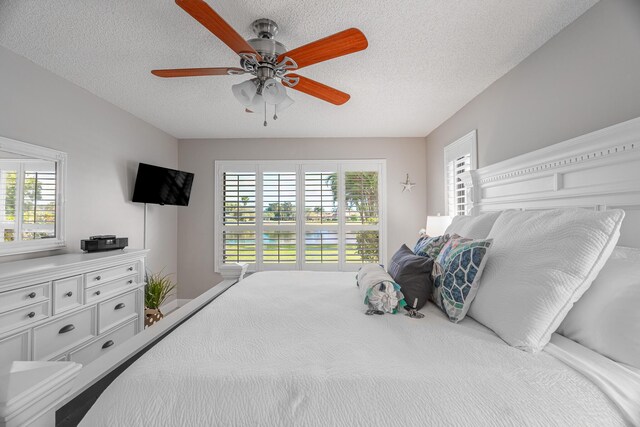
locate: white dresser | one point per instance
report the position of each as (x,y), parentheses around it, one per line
(72,307)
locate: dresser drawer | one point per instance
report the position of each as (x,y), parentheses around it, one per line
(116,310)
(104,344)
(98,277)
(105,290)
(66,332)
(23,316)
(15,347)
(67,294)
(24,296)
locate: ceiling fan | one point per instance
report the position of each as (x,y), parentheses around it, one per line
(268,60)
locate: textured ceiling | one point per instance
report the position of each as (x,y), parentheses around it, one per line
(426,58)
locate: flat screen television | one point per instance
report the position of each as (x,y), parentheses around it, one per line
(162,186)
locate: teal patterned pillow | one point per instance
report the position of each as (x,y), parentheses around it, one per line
(456,275)
(430,246)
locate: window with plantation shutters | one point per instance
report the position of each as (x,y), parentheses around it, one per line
(300,214)
(459,157)
(28,200)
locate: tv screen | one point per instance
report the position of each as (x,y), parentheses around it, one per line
(162,186)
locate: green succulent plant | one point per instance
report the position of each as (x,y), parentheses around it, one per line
(159,288)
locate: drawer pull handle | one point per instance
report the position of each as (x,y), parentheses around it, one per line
(98,277)
(108,344)
(32,295)
(69,294)
(119,306)
(130,268)
(97,292)
(66,329)
(129,282)
(33,313)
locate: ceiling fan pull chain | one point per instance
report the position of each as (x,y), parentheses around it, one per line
(265,114)
(275,112)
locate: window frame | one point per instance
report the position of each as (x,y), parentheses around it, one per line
(300,167)
(466,145)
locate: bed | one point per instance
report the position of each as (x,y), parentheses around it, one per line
(294,348)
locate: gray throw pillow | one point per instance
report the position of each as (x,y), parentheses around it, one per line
(413,273)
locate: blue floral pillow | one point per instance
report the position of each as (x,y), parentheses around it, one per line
(430,246)
(456,275)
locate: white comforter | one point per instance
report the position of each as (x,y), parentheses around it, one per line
(294,348)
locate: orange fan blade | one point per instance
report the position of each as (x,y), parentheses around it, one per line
(313,88)
(193,72)
(339,44)
(208,17)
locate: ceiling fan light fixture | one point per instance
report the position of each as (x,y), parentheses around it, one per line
(286,103)
(245,92)
(273,92)
(257,104)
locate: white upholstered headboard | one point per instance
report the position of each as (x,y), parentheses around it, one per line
(600,170)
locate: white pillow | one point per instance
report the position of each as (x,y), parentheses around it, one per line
(607,317)
(541,262)
(473,227)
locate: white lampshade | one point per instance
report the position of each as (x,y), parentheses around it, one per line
(273,92)
(286,103)
(245,92)
(436,225)
(257,105)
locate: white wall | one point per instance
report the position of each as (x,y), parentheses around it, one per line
(405,211)
(104,145)
(583,79)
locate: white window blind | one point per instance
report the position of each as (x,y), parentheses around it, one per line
(313,215)
(459,157)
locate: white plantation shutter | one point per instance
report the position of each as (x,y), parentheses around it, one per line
(321,229)
(279,217)
(28,200)
(456,192)
(459,157)
(319,199)
(239,246)
(321,247)
(9,208)
(39,204)
(239,196)
(362,247)
(312,215)
(239,217)
(362,214)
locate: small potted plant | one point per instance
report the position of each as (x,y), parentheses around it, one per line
(159,288)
